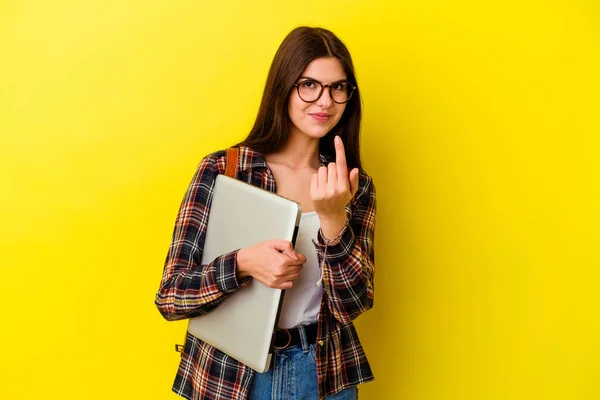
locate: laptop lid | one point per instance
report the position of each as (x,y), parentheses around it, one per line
(242,215)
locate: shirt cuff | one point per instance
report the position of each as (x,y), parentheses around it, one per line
(339,251)
(226,273)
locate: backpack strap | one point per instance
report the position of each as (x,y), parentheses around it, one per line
(231,162)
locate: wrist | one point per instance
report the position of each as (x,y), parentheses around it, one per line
(332,226)
(241,264)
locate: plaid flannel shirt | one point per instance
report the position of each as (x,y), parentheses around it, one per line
(189,289)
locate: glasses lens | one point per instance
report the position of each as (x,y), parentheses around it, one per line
(340,92)
(309,90)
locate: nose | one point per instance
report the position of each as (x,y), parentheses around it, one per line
(325,101)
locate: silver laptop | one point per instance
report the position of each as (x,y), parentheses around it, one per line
(242,215)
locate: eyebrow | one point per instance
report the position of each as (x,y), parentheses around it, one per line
(308,78)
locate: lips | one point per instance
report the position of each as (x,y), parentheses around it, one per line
(321,117)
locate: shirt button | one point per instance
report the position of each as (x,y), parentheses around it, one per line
(321,343)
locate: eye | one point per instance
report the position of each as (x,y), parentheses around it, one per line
(309,84)
(340,86)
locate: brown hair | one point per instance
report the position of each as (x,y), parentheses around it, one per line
(272,126)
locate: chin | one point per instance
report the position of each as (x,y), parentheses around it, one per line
(317,133)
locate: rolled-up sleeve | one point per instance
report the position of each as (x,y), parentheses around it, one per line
(188,288)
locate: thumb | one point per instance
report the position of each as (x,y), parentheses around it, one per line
(354,181)
(284,247)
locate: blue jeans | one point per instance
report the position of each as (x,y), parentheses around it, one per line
(293,377)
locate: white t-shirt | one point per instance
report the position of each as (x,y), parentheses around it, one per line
(301,303)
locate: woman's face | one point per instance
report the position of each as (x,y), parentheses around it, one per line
(316,119)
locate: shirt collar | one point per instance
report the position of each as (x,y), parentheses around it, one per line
(250,159)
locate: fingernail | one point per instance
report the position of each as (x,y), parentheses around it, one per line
(337,139)
(295,255)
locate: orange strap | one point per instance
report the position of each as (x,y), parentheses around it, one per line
(231,162)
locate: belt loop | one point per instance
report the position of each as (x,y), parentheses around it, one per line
(303,340)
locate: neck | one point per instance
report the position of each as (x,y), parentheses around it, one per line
(300,151)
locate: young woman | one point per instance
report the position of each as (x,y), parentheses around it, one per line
(304,146)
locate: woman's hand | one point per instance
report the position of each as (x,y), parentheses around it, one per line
(331,190)
(273,262)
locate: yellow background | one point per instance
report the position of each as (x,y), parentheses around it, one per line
(480,130)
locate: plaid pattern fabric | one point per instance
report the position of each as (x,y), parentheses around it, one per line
(189,289)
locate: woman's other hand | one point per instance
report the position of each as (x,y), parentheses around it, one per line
(272,262)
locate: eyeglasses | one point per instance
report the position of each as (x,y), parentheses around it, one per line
(310,90)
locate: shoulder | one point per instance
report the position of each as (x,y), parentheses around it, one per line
(248,158)
(366,187)
(213,163)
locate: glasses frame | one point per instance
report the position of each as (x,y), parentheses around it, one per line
(323,87)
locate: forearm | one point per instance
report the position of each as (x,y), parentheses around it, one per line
(198,289)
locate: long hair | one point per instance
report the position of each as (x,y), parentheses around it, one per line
(272,126)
